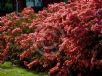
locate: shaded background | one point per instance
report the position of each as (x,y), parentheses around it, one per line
(7,6)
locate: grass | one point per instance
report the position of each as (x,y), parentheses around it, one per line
(7,69)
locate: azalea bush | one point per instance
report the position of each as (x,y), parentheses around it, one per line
(63,39)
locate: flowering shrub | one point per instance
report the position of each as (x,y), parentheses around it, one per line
(64,39)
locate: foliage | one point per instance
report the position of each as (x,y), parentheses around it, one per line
(64,39)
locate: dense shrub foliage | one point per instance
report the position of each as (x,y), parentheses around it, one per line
(64,39)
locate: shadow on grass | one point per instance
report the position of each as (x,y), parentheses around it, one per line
(6,65)
(7,69)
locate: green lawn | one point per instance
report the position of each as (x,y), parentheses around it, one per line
(7,69)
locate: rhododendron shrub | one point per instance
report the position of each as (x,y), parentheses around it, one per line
(12,26)
(63,39)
